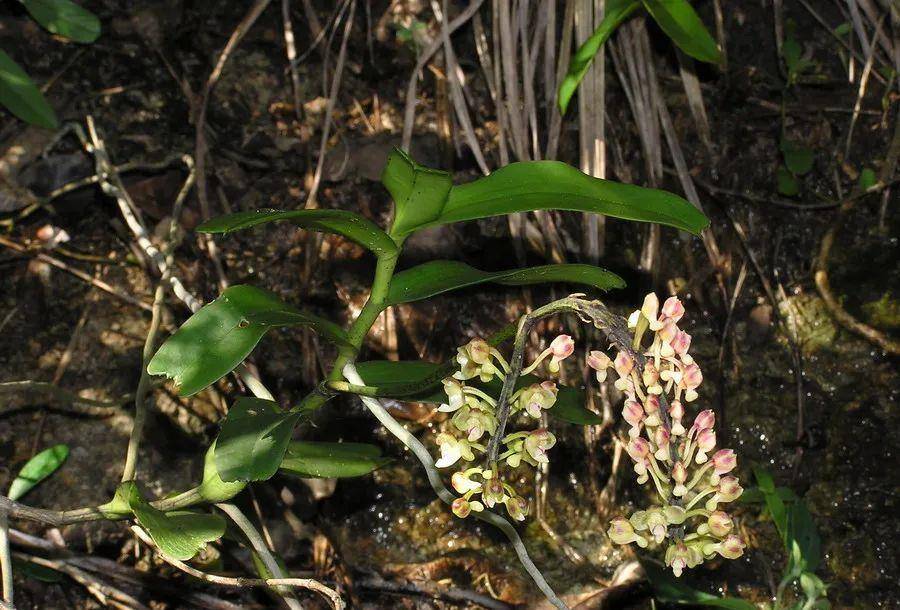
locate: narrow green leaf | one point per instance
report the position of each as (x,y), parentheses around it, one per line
(774,502)
(37,469)
(352,226)
(680,23)
(36,571)
(797,157)
(212,487)
(253,439)
(615,13)
(331,460)
(436,277)
(65,18)
(787,182)
(552,185)
(668,589)
(419,192)
(21,97)
(389,375)
(179,534)
(223,333)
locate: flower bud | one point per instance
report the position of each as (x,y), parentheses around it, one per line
(479,350)
(633,413)
(455,395)
(679,475)
(493,492)
(623,364)
(661,440)
(676,412)
(706,442)
(681,343)
(517,507)
(562,347)
(621,532)
(461,508)
(729,489)
(704,420)
(667,334)
(600,362)
(724,460)
(537,442)
(672,309)
(651,408)
(691,379)
(720,524)
(731,548)
(680,556)
(650,377)
(650,310)
(638,448)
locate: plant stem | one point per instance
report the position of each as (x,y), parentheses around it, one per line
(6,568)
(437,484)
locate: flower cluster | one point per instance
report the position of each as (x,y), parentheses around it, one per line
(474,422)
(690,477)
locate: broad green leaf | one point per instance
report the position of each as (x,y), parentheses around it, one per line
(615,13)
(37,469)
(436,277)
(331,460)
(253,439)
(65,18)
(419,193)
(223,333)
(797,157)
(352,226)
(787,182)
(570,408)
(668,589)
(179,534)
(21,97)
(552,185)
(774,502)
(212,487)
(805,546)
(680,23)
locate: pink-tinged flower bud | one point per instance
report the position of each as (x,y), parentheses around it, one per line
(657,523)
(493,492)
(681,343)
(517,507)
(621,532)
(650,310)
(729,489)
(672,309)
(479,350)
(600,362)
(704,420)
(676,412)
(731,548)
(538,442)
(651,408)
(720,524)
(668,332)
(724,460)
(692,377)
(679,475)
(461,508)
(680,556)
(623,364)
(706,442)
(638,449)
(661,440)
(633,413)
(650,377)
(562,347)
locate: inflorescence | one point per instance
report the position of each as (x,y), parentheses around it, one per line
(689,476)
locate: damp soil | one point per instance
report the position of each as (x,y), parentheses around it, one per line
(841,459)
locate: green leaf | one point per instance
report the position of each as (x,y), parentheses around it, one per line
(867,179)
(552,185)
(331,460)
(390,376)
(222,334)
(436,277)
(212,487)
(797,157)
(20,96)
(787,182)
(804,544)
(65,18)
(37,469)
(340,222)
(179,534)
(615,13)
(668,589)
(774,502)
(419,193)
(680,23)
(253,439)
